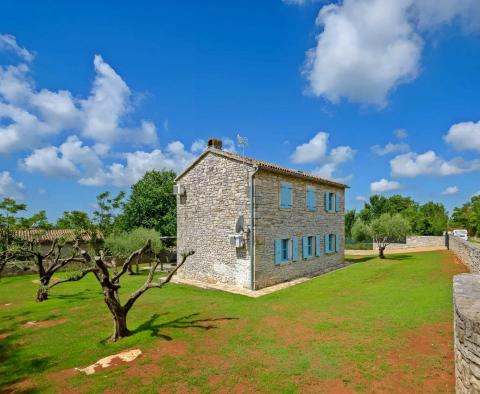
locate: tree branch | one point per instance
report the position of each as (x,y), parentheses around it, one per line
(73,278)
(126,264)
(148,283)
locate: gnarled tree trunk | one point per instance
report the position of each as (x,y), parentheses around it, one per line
(381,251)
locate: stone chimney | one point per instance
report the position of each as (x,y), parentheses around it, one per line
(215,143)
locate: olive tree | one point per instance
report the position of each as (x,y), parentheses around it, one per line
(122,244)
(383,230)
(110,284)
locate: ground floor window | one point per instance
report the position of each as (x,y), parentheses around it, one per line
(310,243)
(285,243)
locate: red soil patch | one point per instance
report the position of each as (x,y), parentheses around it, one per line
(23,386)
(425,363)
(43,323)
(3,336)
(422,363)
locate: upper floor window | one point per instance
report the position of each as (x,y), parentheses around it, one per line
(332,202)
(286,195)
(311,198)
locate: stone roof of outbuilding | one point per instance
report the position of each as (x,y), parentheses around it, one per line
(40,235)
(263,165)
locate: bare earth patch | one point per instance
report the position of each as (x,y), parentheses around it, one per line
(43,323)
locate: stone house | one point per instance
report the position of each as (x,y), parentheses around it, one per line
(254,224)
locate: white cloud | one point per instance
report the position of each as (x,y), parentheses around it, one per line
(413,164)
(29,116)
(107,104)
(63,161)
(312,151)
(361,198)
(390,148)
(450,191)
(367,48)
(198,146)
(401,134)
(175,158)
(316,151)
(433,13)
(9,43)
(9,187)
(384,185)
(464,136)
(229,145)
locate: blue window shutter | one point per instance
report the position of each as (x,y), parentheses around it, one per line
(285,195)
(311,199)
(295,249)
(305,247)
(278,251)
(327,243)
(317,245)
(289,196)
(337,202)
(337,243)
(325,201)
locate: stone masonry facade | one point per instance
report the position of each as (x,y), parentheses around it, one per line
(217,192)
(273,222)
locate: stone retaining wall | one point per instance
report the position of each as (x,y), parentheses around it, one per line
(466,299)
(417,241)
(468,252)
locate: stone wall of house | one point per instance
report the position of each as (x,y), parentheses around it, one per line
(466,296)
(217,193)
(273,222)
(468,252)
(417,241)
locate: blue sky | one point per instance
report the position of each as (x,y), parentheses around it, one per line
(383,95)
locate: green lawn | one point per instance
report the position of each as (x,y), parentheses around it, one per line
(376,324)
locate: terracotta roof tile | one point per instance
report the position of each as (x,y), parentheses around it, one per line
(50,235)
(267,167)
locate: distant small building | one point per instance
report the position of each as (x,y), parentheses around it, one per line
(254,224)
(45,238)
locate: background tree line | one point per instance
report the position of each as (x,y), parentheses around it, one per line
(424,219)
(430,218)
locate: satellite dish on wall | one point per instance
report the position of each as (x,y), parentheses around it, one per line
(239,224)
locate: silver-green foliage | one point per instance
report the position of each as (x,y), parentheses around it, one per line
(383,230)
(123,244)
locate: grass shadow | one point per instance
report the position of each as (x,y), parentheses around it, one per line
(360,259)
(15,367)
(398,257)
(188,321)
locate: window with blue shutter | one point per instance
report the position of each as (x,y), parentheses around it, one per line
(337,243)
(331,243)
(286,195)
(327,243)
(325,201)
(278,251)
(305,247)
(311,198)
(295,249)
(337,202)
(317,245)
(285,243)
